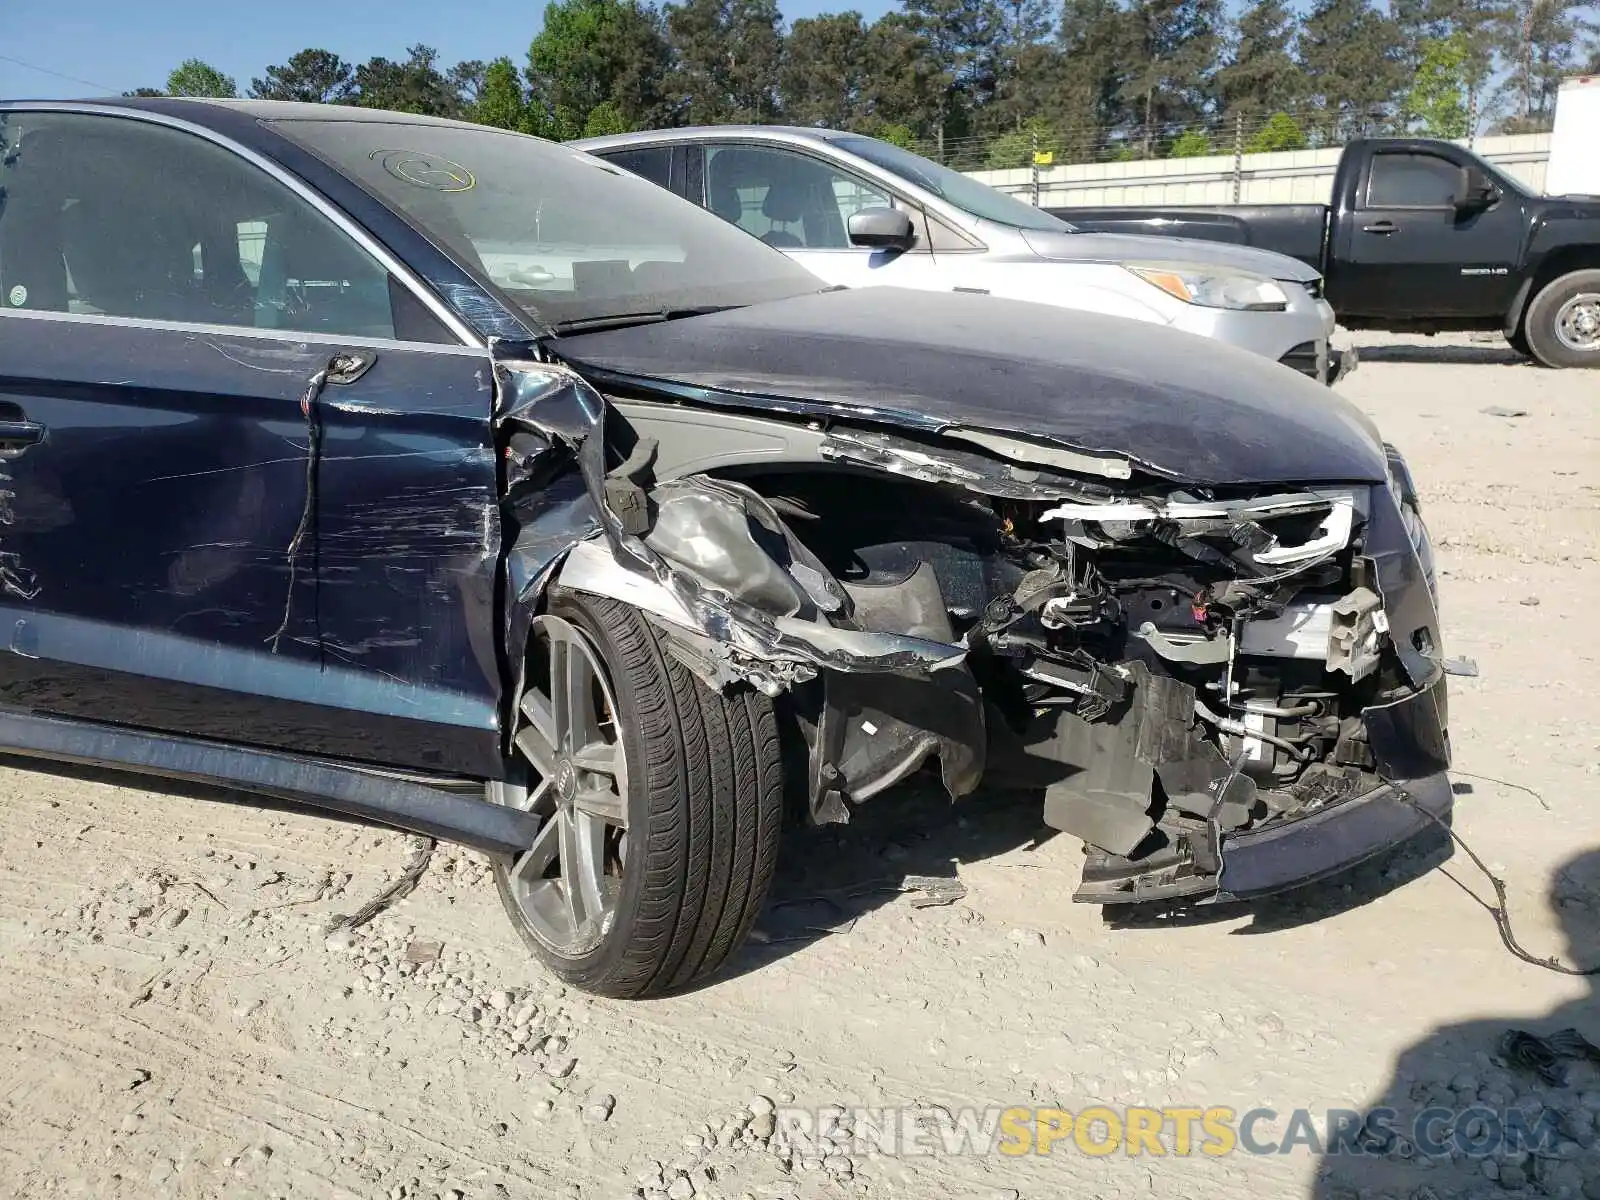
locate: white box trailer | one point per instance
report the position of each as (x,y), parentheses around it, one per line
(1574,168)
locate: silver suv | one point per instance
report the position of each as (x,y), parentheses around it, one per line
(857,211)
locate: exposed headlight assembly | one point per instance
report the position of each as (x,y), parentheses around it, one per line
(1216,289)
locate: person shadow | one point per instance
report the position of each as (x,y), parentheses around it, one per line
(1468,1114)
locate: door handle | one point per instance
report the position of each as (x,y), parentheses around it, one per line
(1380,227)
(17,435)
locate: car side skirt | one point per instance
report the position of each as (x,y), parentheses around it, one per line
(439,808)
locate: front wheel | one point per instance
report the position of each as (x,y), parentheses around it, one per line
(662,806)
(1563,322)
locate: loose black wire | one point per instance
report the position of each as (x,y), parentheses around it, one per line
(1500,911)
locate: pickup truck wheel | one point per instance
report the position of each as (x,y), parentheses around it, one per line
(1563,322)
(662,803)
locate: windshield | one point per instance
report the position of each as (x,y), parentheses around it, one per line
(966,193)
(570,239)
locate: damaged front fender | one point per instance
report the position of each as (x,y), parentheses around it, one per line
(708,557)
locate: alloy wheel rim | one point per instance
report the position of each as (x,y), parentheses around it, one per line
(1578,323)
(566,884)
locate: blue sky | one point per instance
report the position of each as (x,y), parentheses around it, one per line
(112,46)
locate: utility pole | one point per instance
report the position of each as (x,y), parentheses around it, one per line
(1033,159)
(1238,156)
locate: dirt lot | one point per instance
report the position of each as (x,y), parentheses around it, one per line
(175,1021)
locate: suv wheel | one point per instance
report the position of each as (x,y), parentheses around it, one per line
(1563,322)
(662,803)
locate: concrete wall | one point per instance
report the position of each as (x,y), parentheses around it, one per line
(1291,177)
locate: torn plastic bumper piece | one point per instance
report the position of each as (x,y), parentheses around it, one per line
(1412,751)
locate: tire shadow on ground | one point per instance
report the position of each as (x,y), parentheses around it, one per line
(1497,354)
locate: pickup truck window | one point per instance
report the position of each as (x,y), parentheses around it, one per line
(1411,181)
(790,201)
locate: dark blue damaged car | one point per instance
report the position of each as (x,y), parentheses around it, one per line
(448,478)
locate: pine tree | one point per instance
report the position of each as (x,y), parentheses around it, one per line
(310,76)
(825,70)
(1260,75)
(1174,44)
(1539,41)
(727,57)
(1351,57)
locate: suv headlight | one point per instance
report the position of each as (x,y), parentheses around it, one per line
(1215,288)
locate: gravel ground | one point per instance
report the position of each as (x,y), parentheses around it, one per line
(178,1022)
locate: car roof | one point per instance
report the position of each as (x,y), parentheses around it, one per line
(647,137)
(209,111)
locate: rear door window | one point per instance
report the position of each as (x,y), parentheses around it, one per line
(648,162)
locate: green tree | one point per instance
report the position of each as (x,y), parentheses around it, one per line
(310,76)
(502,101)
(825,70)
(1191,143)
(1437,102)
(415,85)
(1095,43)
(145,91)
(964,39)
(1279,133)
(195,78)
(594,52)
(898,135)
(1026,67)
(1352,58)
(902,88)
(1469,25)
(1539,42)
(1174,46)
(1260,75)
(605,118)
(1016,149)
(727,57)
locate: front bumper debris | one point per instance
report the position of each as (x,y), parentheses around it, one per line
(1341,363)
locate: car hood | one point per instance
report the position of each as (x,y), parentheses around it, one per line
(1136,248)
(1183,406)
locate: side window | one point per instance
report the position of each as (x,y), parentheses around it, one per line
(788,200)
(1411,181)
(115,217)
(648,162)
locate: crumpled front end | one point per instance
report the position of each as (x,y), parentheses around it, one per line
(1222,691)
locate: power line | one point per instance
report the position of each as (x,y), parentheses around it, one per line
(58,74)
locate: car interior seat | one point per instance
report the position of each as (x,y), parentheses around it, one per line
(782,205)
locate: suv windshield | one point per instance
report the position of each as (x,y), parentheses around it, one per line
(965,193)
(570,239)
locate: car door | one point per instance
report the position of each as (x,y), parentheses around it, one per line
(801,204)
(1406,252)
(247,486)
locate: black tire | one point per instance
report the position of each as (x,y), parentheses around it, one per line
(705,813)
(1540,326)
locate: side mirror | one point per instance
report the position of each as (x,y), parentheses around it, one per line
(883,228)
(1475,192)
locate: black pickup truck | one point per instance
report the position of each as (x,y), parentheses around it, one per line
(1422,236)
